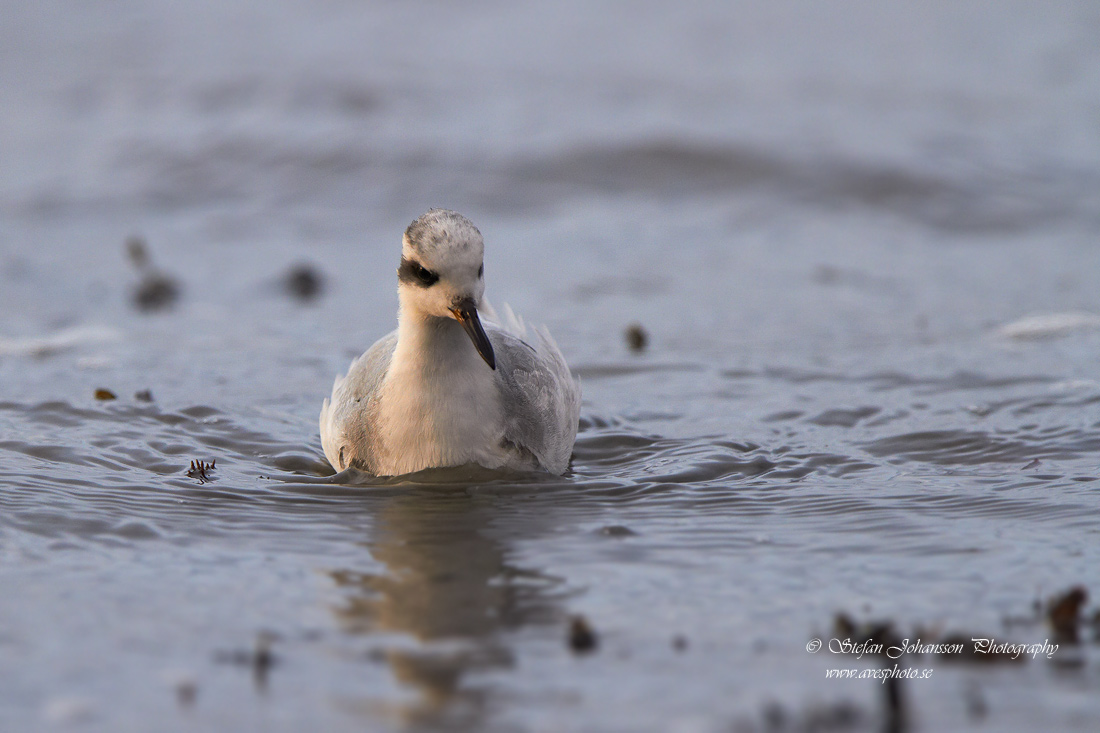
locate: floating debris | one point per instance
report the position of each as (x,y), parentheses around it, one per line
(617,530)
(184,685)
(1064,613)
(143,395)
(156,290)
(976,706)
(582,637)
(877,635)
(896,719)
(200,470)
(304,282)
(186,693)
(636,338)
(263,659)
(138,252)
(105,394)
(260,659)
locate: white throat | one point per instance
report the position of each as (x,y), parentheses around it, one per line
(440,402)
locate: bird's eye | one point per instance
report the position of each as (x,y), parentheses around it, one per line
(426,276)
(414,272)
(481,271)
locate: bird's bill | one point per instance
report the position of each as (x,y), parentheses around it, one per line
(466,314)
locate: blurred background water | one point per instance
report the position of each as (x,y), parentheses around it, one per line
(861,241)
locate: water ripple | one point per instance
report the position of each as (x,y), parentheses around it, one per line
(118,471)
(973,447)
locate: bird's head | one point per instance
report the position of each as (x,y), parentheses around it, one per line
(442,273)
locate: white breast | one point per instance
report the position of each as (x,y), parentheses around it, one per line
(439,413)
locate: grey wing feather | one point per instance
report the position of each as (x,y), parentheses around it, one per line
(348,419)
(543,397)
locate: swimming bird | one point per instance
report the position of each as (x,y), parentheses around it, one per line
(446,388)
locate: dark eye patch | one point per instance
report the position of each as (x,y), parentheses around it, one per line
(481,270)
(413,272)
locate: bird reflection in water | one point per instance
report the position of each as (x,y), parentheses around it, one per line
(448,586)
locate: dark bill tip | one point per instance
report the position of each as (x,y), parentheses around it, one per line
(466,314)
